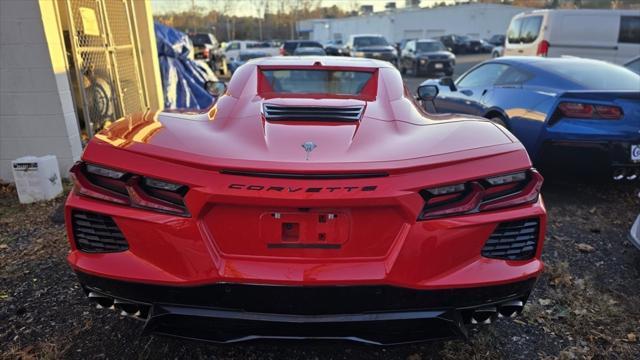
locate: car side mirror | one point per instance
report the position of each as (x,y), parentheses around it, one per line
(215,88)
(427,92)
(447,81)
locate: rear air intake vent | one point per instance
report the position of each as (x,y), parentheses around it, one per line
(317,113)
(515,240)
(97,233)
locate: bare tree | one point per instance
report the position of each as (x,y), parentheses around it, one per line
(260,7)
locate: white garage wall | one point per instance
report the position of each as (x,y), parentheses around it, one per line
(37,115)
(475,20)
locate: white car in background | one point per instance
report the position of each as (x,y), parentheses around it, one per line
(497,52)
(609,35)
(634,234)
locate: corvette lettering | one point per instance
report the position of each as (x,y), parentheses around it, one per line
(295,189)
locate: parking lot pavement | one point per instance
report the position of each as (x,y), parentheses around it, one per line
(463,63)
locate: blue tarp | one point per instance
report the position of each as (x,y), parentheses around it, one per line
(182,80)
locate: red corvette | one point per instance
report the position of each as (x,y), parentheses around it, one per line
(314,200)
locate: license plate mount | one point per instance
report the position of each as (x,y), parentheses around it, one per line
(438,65)
(635,153)
(322,229)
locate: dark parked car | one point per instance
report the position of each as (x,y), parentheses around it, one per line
(289,47)
(373,47)
(335,48)
(496,40)
(426,57)
(473,45)
(206,47)
(458,44)
(563,110)
(302,51)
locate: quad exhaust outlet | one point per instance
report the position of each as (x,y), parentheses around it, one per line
(626,173)
(488,314)
(124,307)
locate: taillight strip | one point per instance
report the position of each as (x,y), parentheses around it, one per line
(135,196)
(476,197)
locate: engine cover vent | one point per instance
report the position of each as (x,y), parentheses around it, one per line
(312,113)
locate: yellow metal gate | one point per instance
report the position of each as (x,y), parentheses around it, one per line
(104,56)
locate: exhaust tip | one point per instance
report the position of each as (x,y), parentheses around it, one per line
(619,173)
(125,307)
(511,308)
(101,301)
(484,315)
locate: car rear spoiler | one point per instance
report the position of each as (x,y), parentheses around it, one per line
(606,95)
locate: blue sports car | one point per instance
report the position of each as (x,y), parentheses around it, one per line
(564,110)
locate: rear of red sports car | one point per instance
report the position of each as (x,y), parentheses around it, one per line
(314,200)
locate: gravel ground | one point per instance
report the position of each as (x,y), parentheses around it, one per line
(586,305)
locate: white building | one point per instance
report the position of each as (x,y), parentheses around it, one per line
(47,49)
(475,20)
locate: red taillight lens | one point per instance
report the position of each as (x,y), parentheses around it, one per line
(128,189)
(281,51)
(576,110)
(608,112)
(482,195)
(543,48)
(588,111)
(205,52)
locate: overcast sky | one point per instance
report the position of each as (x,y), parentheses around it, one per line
(244,6)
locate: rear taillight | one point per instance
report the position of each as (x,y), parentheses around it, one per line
(281,51)
(589,111)
(205,53)
(125,188)
(543,48)
(482,195)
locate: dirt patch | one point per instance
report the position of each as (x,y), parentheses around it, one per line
(586,305)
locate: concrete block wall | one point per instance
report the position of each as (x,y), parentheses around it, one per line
(37,114)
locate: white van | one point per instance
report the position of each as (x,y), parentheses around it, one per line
(609,35)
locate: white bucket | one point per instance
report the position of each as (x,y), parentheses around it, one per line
(36,178)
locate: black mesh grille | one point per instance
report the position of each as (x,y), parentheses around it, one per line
(97,233)
(514,240)
(318,113)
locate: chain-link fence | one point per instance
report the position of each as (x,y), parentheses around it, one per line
(104,56)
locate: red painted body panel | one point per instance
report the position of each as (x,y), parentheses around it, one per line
(380,240)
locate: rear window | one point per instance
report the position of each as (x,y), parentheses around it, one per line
(336,82)
(430,46)
(258,45)
(589,75)
(629,30)
(524,30)
(364,41)
(310,44)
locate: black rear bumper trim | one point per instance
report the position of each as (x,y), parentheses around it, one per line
(383,315)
